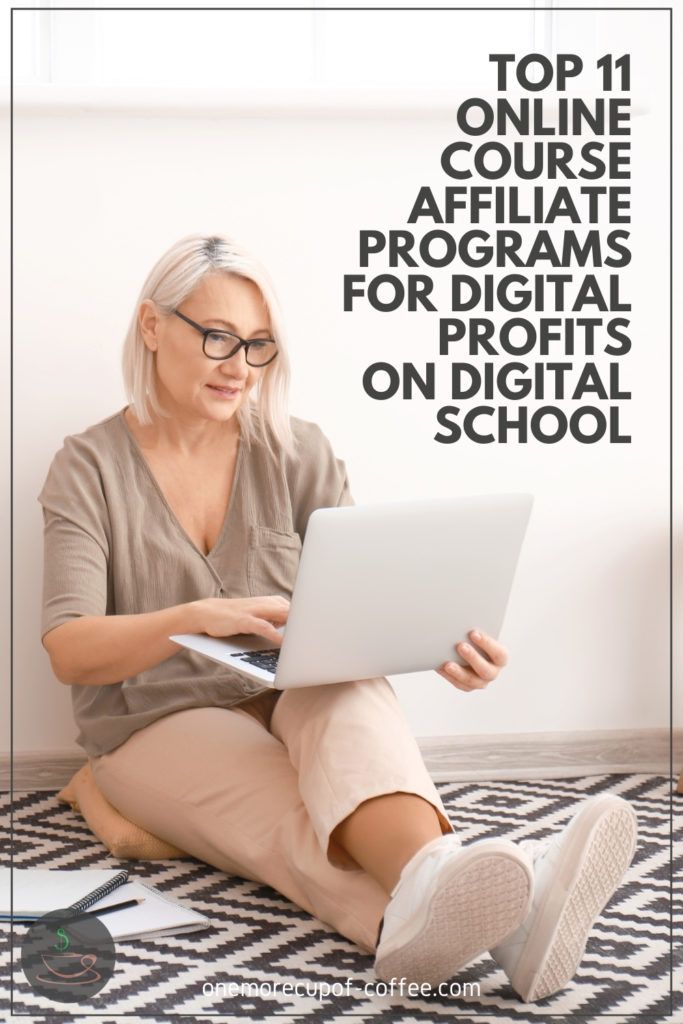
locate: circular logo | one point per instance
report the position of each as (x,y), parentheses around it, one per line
(67,956)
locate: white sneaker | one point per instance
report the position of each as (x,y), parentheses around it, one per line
(575,873)
(450,905)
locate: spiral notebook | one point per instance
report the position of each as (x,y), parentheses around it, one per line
(37,891)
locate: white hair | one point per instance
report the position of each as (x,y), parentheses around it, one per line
(172,279)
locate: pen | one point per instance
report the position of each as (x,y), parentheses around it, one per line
(107,910)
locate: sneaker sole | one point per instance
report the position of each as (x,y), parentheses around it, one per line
(482,899)
(583,884)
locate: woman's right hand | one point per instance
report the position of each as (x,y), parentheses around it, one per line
(225,616)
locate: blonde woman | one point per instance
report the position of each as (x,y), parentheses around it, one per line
(184,512)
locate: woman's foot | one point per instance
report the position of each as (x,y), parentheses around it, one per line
(575,874)
(450,905)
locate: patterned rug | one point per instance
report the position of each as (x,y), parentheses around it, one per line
(262,938)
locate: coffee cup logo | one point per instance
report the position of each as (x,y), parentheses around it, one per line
(76,968)
(68,957)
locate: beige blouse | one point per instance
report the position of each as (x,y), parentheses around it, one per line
(114,547)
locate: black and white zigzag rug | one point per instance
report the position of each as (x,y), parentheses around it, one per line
(261,937)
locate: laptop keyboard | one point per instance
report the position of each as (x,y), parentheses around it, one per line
(266,660)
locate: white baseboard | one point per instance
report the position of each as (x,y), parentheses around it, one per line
(552,755)
(511,756)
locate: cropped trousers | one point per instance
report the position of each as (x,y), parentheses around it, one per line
(256,790)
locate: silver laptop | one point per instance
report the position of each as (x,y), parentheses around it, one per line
(385,589)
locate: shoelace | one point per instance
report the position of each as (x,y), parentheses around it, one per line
(535,848)
(432,849)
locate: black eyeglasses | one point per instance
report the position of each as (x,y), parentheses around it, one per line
(223,345)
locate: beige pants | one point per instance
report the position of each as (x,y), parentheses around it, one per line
(257,790)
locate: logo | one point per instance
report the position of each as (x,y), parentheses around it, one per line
(67,956)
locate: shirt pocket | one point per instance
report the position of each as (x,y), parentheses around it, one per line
(272,561)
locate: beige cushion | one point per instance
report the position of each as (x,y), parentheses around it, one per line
(121,837)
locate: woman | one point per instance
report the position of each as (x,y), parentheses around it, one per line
(184,513)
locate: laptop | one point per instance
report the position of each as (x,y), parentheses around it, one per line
(386,589)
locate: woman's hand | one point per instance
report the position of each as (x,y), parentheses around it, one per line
(225,616)
(482,667)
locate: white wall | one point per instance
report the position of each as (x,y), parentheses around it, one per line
(100,194)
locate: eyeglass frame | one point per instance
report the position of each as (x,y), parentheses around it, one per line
(206,331)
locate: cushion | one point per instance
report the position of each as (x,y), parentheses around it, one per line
(121,837)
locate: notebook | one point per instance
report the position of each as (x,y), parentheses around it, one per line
(38,891)
(158,915)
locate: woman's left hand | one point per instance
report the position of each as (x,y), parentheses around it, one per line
(482,668)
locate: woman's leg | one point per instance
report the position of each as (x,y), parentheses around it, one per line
(361,775)
(373,805)
(383,833)
(217,784)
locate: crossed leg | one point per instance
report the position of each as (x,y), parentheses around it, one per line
(300,807)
